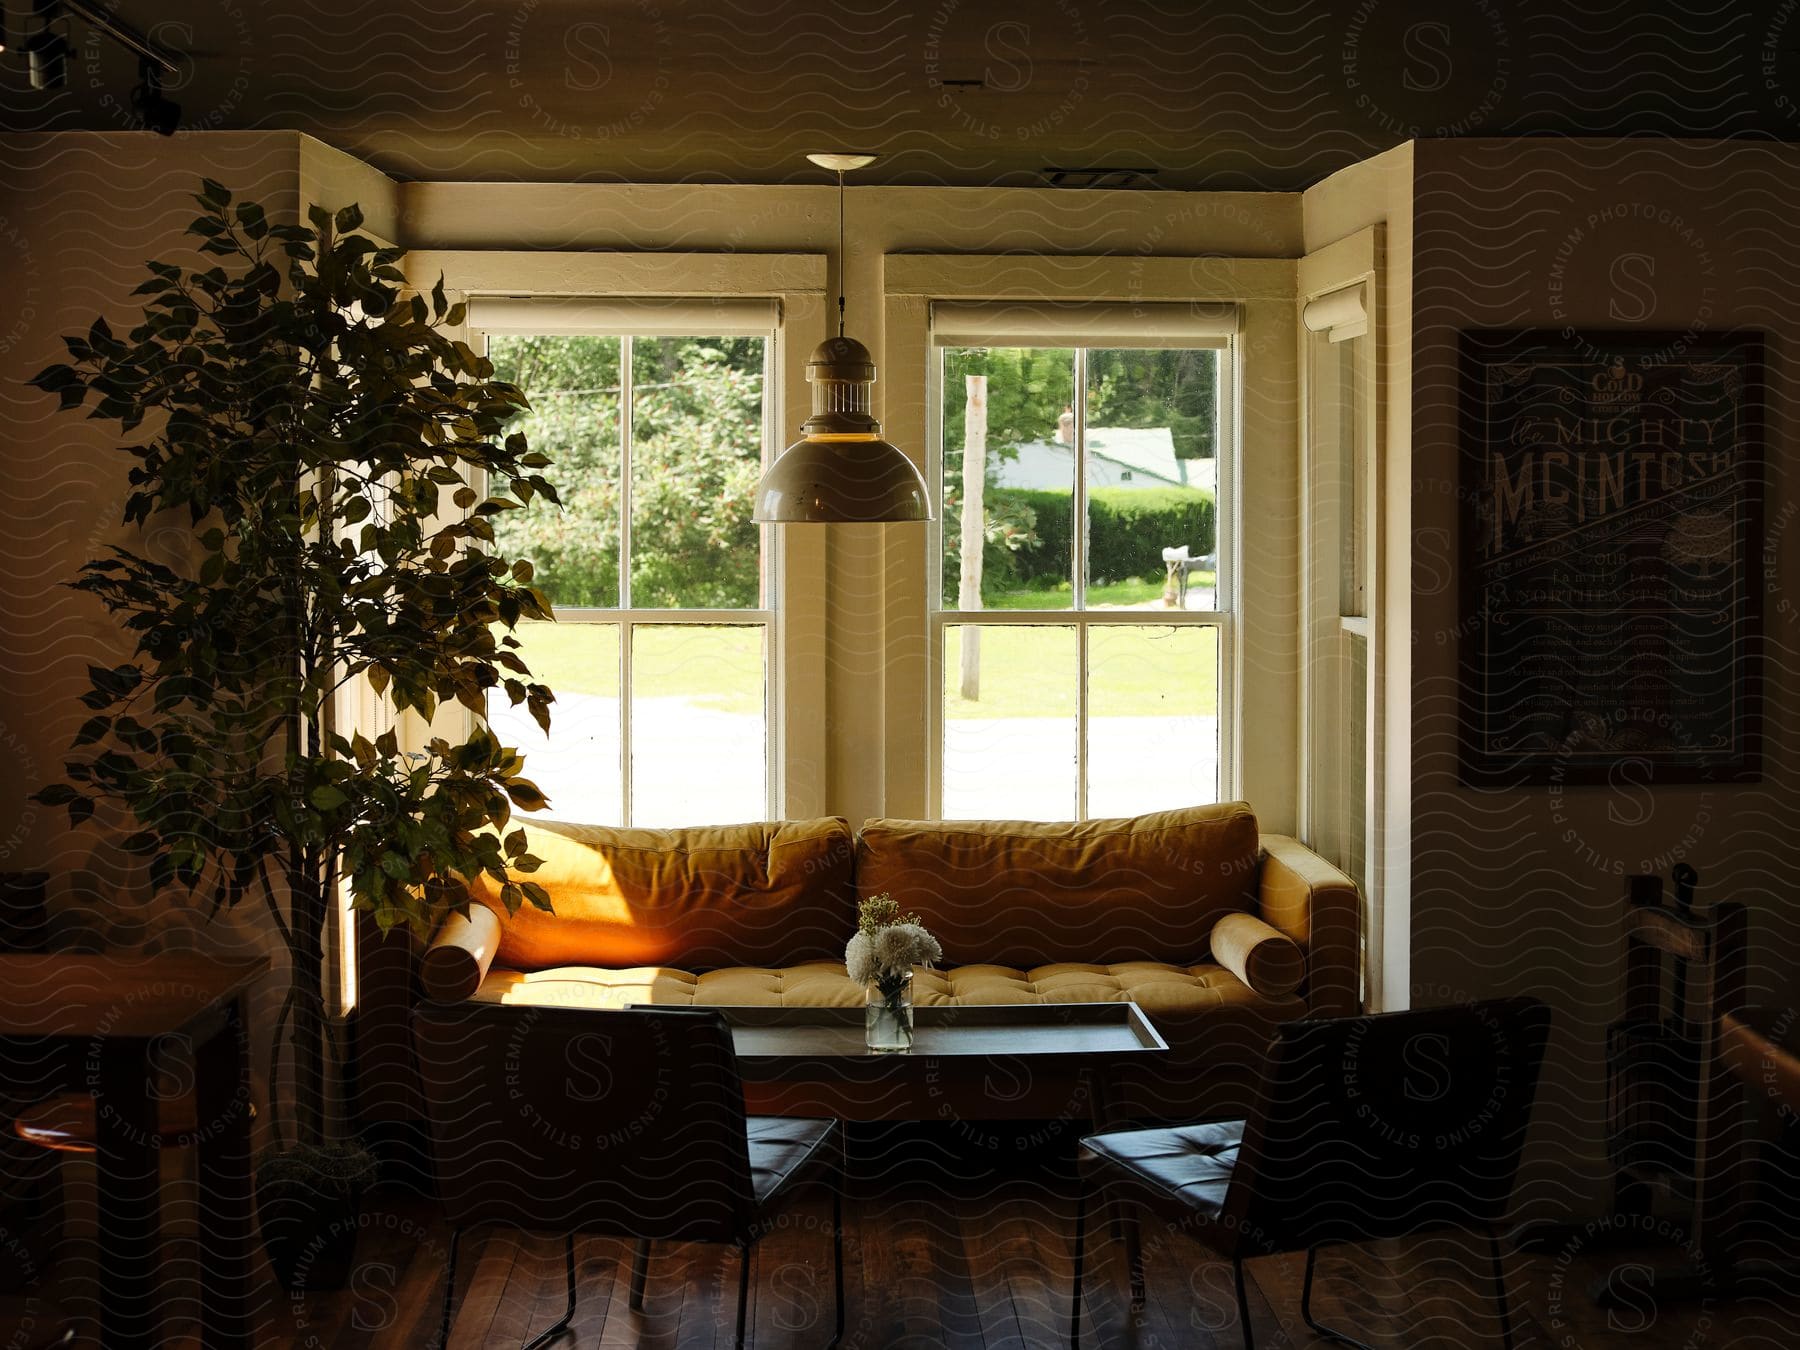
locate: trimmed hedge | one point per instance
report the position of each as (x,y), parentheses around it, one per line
(1128,528)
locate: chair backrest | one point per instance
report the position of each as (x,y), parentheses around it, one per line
(1374,1127)
(622,1122)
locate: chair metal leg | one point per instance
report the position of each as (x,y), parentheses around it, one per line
(1312,1258)
(1243,1302)
(837,1257)
(1080,1256)
(1506,1337)
(449,1290)
(640,1274)
(743,1292)
(1134,1260)
(551,1333)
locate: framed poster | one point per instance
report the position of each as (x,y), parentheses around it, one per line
(1611,523)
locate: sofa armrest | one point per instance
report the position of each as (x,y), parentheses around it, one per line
(1317,906)
(459,956)
(1266,959)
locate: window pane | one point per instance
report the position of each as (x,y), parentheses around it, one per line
(578,767)
(1009,722)
(573,385)
(1353,786)
(1152,434)
(1153,718)
(696,455)
(1352,455)
(699,749)
(1028,480)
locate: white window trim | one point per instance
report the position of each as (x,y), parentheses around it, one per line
(1339,295)
(628,618)
(795,613)
(1261,679)
(1077,615)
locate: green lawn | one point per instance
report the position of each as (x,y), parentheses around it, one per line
(1026,670)
(1133,592)
(717,667)
(1030,671)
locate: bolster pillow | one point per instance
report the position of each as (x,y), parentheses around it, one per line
(457,961)
(1264,958)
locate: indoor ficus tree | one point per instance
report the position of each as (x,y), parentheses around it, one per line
(327,442)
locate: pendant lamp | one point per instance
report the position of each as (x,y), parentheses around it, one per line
(840,471)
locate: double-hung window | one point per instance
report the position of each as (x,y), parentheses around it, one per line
(1081,639)
(657,417)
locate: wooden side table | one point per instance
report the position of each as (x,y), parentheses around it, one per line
(118,1009)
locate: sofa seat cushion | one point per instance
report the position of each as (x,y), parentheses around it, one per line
(1155,987)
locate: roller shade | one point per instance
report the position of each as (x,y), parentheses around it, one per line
(639,316)
(1339,315)
(1060,323)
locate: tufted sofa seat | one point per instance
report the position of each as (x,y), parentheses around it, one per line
(1154,986)
(1216,931)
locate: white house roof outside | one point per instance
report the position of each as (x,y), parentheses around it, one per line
(1141,457)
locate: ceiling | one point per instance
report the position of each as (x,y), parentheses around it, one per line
(1235,94)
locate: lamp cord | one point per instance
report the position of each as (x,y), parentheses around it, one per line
(842,259)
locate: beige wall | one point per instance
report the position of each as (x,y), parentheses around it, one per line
(1519,891)
(83,212)
(81,215)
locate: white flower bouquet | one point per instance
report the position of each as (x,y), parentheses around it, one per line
(888,944)
(880,956)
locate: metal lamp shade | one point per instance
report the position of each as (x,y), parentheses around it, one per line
(842,480)
(840,471)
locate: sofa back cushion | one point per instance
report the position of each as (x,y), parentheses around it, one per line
(766,894)
(1021,893)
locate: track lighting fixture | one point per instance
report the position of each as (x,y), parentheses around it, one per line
(48,55)
(159,114)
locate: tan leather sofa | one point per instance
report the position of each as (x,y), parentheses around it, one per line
(1217,931)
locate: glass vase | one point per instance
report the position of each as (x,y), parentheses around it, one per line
(888,1014)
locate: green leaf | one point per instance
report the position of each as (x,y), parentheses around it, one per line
(57,794)
(52,378)
(349,218)
(326,797)
(92,730)
(525,795)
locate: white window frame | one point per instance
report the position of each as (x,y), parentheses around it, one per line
(1260,682)
(1338,296)
(1078,616)
(793,609)
(629,618)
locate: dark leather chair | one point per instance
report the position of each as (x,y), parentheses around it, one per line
(627,1123)
(1367,1128)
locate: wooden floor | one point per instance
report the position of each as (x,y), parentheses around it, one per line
(949,1243)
